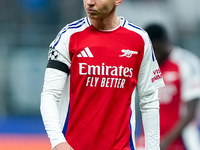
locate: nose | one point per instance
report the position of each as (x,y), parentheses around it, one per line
(90,2)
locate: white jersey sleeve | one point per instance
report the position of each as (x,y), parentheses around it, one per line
(151,119)
(190,73)
(61,43)
(55,93)
(54,84)
(59,48)
(150,77)
(149,80)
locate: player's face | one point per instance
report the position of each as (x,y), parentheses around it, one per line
(100,9)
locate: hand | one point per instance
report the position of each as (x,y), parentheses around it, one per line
(63,146)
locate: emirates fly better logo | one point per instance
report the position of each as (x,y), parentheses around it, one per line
(105,75)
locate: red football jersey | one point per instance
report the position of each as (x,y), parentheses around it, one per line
(105,68)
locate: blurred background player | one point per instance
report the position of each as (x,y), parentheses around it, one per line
(179,98)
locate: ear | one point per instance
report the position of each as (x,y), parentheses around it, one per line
(118,2)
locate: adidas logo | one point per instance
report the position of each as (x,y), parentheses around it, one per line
(85,53)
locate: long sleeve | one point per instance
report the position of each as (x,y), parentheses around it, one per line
(54,97)
(149,81)
(54,83)
(149,107)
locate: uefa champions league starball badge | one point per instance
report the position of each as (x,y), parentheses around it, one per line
(53,54)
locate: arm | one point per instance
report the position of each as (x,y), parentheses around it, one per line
(54,98)
(149,81)
(53,87)
(181,124)
(149,107)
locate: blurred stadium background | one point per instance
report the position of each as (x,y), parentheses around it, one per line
(27,27)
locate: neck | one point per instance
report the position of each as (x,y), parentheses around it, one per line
(108,23)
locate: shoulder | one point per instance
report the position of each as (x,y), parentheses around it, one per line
(187,61)
(79,23)
(76,26)
(134,28)
(184,56)
(71,28)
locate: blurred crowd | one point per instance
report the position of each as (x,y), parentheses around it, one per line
(26,29)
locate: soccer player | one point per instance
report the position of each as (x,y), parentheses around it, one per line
(95,66)
(178,99)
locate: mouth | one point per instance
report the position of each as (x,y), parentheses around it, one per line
(91,11)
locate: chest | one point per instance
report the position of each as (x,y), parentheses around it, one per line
(118,50)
